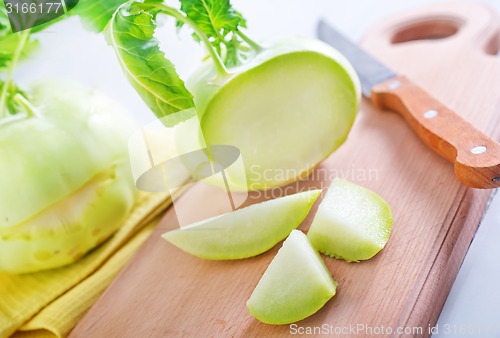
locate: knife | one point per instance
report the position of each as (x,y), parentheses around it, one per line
(475,155)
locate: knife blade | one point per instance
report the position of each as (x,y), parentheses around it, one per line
(476,157)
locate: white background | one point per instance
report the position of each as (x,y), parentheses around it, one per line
(68,51)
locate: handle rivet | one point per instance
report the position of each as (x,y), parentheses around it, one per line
(430,114)
(478,150)
(394,84)
(496,179)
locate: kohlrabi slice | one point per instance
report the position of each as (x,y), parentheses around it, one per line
(352,222)
(295,285)
(245,232)
(286,110)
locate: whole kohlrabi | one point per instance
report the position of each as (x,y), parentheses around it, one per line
(65,182)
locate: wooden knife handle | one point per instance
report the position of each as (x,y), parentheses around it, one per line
(475,155)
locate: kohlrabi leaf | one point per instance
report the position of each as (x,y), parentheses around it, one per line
(144,64)
(95,14)
(216,19)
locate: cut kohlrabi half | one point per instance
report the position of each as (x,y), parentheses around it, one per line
(286,103)
(286,110)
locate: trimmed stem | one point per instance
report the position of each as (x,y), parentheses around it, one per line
(221,69)
(254,45)
(3,97)
(30,110)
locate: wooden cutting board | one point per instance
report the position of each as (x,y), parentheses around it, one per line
(447,49)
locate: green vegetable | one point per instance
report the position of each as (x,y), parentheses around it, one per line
(286,110)
(352,222)
(286,103)
(295,285)
(245,232)
(66,183)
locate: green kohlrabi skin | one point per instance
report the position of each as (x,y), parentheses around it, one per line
(287,109)
(65,177)
(66,231)
(45,159)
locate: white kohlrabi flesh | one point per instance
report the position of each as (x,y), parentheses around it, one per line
(286,110)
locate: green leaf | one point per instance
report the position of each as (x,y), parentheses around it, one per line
(144,64)
(216,18)
(95,14)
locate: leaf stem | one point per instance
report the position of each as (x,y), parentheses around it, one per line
(12,119)
(15,58)
(254,45)
(221,69)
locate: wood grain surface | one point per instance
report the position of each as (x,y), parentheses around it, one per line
(166,292)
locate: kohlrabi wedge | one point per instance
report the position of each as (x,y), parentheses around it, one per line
(295,285)
(65,178)
(352,222)
(286,103)
(245,232)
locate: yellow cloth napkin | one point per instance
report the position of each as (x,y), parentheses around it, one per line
(50,303)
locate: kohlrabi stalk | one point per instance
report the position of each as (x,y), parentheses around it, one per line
(254,45)
(3,96)
(221,69)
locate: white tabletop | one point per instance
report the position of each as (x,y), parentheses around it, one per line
(71,52)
